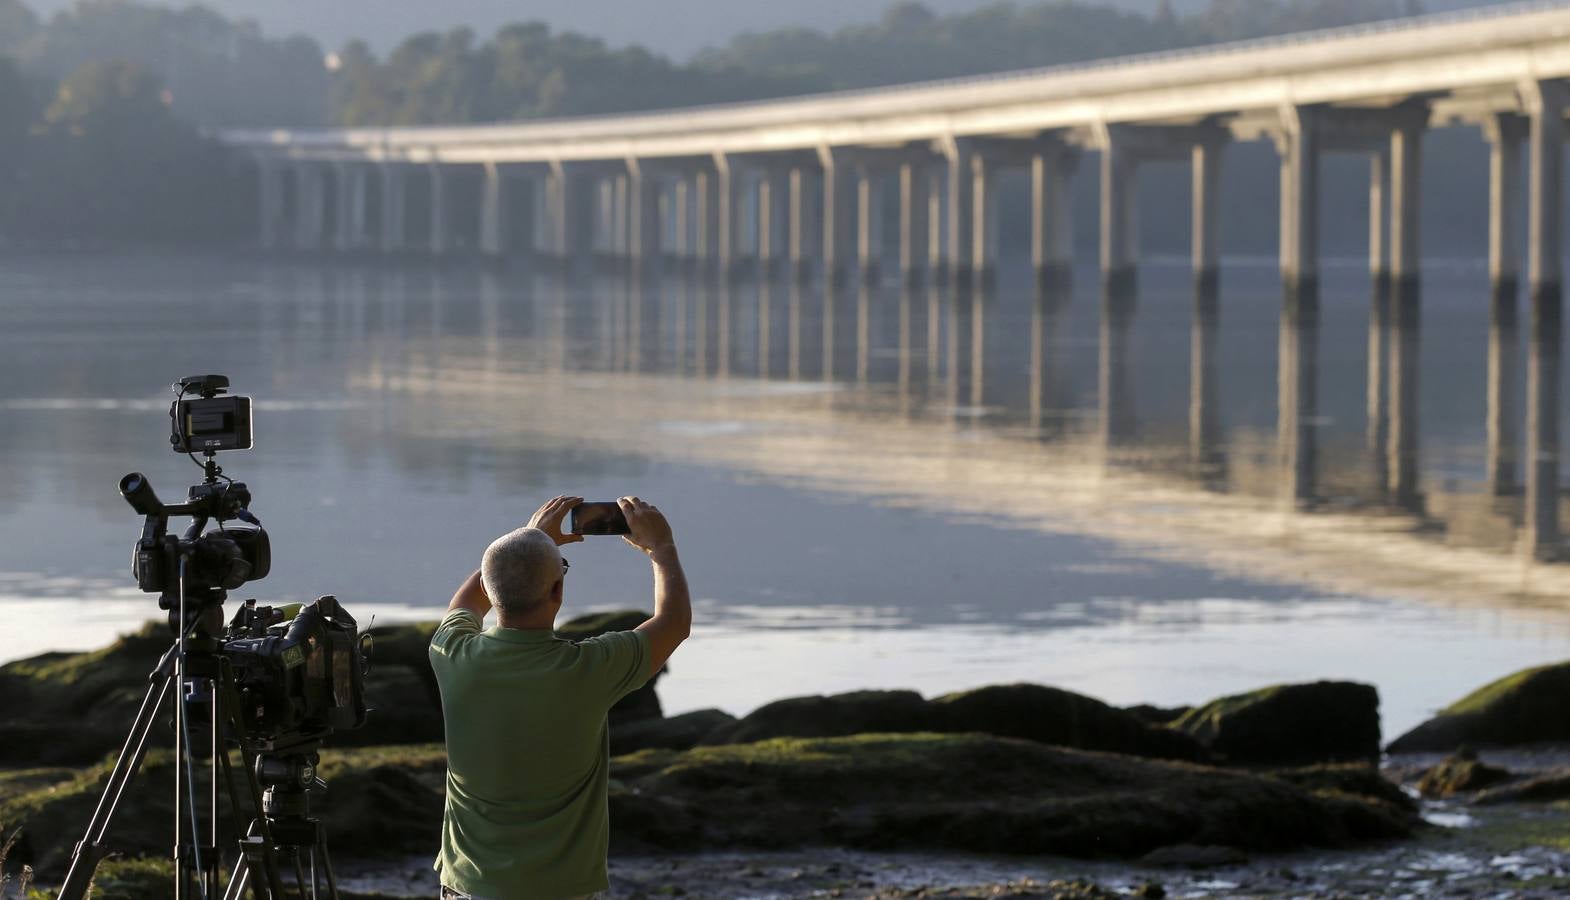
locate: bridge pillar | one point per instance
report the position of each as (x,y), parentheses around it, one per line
(394,203)
(725,230)
(913,228)
(643,215)
(1377,392)
(796,225)
(349,197)
(1504,132)
(706,208)
(1298,372)
(1546,102)
(839,210)
(269,203)
(493,211)
(1405,299)
(621,221)
(1205,167)
(961,211)
(773,216)
(1119,212)
(681,219)
(1117,421)
(937,225)
(310,207)
(869,208)
(1051,215)
(439,238)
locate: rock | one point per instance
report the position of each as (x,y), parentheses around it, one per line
(1290,724)
(1193,856)
(1460,774)
(858,712)
(1033,712)
(966,792)
(72,708)
(1352,779)
(970,793)
(380,802)
(1157,715)
(1061,718)
(1151,890)
(1529,706)
(642,703)
(675,733)
(401,709)
(1549,787)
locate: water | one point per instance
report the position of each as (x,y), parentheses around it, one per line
(873,516)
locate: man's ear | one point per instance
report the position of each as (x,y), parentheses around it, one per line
(557,589)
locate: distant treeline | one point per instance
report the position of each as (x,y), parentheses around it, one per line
(100,105)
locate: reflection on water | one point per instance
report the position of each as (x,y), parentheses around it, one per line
(876,485)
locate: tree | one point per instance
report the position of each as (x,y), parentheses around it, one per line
(110,160)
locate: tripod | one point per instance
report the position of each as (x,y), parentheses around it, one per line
(197,674)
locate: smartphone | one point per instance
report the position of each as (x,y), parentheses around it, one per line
(599,518)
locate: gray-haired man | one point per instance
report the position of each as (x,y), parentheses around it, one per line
(528,745)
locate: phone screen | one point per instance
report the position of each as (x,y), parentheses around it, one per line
(599,518)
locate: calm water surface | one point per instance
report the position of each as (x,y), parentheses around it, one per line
(818,456)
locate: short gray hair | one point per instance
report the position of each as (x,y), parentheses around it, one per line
(519,570)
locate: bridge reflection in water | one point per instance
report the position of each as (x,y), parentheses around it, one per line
(1158,381)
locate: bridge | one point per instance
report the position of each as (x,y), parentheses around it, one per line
(792,186)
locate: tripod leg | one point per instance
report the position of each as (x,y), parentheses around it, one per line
(327,863)
(239,880)
(90,851)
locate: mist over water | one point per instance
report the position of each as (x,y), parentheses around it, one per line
(871,487)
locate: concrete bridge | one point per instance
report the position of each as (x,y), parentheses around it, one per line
(793,186)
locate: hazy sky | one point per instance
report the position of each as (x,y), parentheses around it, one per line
(676,27)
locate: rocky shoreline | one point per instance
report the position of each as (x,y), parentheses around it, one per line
(1025,790)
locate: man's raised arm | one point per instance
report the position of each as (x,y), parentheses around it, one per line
(672,620)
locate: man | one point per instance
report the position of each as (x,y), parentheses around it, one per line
(528,745)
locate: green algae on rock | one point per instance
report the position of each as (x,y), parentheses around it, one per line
(964,792)
(1290,724)
(673,733)
(1460,774)
(1029,711)
(72,708)
(1054,716)
(971,792)
(1529,706)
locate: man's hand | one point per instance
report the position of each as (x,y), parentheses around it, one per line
(650,532)
(549,517)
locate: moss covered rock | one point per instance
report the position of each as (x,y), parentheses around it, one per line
(1062,718)
(1530,706)
(673,733)
(1548,787)
(1030,711)
(857,712)
(966,792)
(382,801)
(72,708)
(970,792)
(1460,774)
(1290,724)
(1351,779)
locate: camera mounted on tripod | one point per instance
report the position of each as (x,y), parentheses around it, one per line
(237,549)
(272,684)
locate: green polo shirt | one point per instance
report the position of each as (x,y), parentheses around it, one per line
(528,755)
